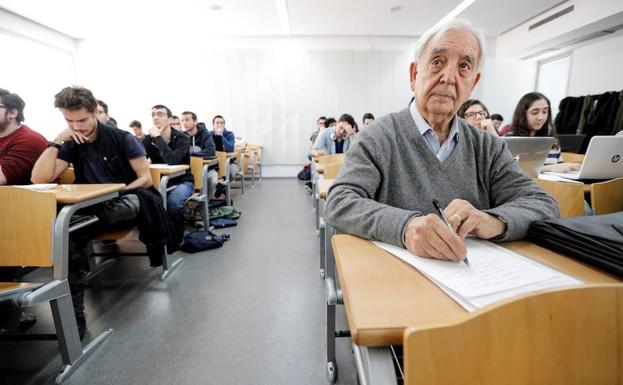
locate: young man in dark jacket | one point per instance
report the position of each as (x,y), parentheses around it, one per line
(202,144)
(165,144)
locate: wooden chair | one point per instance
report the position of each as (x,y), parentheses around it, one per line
(27,228)
(256,161)
(196,168)
(572,157)
(67,177)
(570,337)
(335,158)
(607,197)
(570,196)
(330,171)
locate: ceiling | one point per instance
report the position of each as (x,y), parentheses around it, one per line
(195,18)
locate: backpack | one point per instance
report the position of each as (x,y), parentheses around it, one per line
(200,240)
(224,212)
(221,223)
(305,173)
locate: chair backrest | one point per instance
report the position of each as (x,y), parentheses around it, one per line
(335,158)
(196,167)
(571,157)
(569,337)
(222,163)
(570,196)
(330,171)
(26,224)
(607,197)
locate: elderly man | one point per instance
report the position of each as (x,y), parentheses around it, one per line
(393,172)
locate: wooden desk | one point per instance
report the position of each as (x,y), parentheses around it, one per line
(323,187)
(74,193)
(161,174)
(383,295)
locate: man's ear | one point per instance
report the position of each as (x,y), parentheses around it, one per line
(476,80)
(412,74)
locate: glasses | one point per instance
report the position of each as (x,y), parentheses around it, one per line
(2,106)
(472,115)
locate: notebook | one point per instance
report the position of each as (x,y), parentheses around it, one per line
(530,152)
(603,160)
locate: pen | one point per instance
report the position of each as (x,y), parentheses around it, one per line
(443,217)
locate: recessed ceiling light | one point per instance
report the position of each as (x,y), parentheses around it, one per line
(215,7)
(396,8)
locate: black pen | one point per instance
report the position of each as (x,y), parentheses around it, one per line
(443,217)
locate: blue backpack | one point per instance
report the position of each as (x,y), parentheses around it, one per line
(200,240)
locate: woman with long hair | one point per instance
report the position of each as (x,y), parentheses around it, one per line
(533,117)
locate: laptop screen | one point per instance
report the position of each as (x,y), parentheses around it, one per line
(218,142)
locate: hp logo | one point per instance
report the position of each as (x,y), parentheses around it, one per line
(616,158)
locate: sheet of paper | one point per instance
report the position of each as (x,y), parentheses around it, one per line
(163,165)
(494,274)
(557,177)
(39,186)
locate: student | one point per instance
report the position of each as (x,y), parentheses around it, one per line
(164,144)
(533,117)
(201,142)
(102,115)
(137,128)
(224,140)
(368,118)
(476,114)
(319,127)
(176,123)
(336,139)
(99,154)
(20,146)
(497,120)
(392,173)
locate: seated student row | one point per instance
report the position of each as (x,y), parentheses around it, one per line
(99,154)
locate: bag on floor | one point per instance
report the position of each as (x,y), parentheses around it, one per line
(305,173)
(224,212)
(221,223)
(201,240)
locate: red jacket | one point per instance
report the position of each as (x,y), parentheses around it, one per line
(18,153)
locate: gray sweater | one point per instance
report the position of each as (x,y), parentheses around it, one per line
(390,175)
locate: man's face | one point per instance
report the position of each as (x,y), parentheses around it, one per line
(138,132)
(189,124)
(367,122)
(219,124)
(101,115)
(475,114)
(160,118)
(340,130)
(5,117)
(176,123)
(320,123)
(496,123)
(446,74)
(81,121)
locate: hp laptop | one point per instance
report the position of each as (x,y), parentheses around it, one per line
(570,143)
(530,152)
(603,160)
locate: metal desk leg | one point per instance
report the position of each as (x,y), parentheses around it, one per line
(323,235)
(168,268)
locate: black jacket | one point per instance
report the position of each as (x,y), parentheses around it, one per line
(176,152)
(110,145)
(203,140)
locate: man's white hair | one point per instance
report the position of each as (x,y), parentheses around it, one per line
(452,24)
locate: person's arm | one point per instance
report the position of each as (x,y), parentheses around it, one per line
(3,179)
(208,145)
(50,166)
(176,155)
(229,141)
(17,163)
(320,147)
(351,206)
(516,199)
(141,169)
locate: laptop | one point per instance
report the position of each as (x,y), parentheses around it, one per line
(570,143)
(530,152)
(218,142)
(603,160)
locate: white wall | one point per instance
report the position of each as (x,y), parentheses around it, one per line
(36,63)
(596,68)
(269,90)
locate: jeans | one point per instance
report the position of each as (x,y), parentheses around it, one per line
(176,199)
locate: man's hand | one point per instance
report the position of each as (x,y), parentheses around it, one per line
(429,236)
(219,131)
(465,219)
(487,125)
(562,167)
(69,134)
(348,128)
(155,131)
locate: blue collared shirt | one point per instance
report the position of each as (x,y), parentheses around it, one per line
(440,151)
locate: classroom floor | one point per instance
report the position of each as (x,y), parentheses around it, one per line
(252,312)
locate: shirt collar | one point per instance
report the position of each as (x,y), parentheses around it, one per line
(424,127)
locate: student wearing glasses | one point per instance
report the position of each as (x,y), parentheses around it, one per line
(476,115)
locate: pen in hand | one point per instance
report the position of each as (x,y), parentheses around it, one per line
(443,217)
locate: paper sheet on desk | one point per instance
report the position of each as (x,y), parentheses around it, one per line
(39,186)
(557,178)
(494,274)
(164,166)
